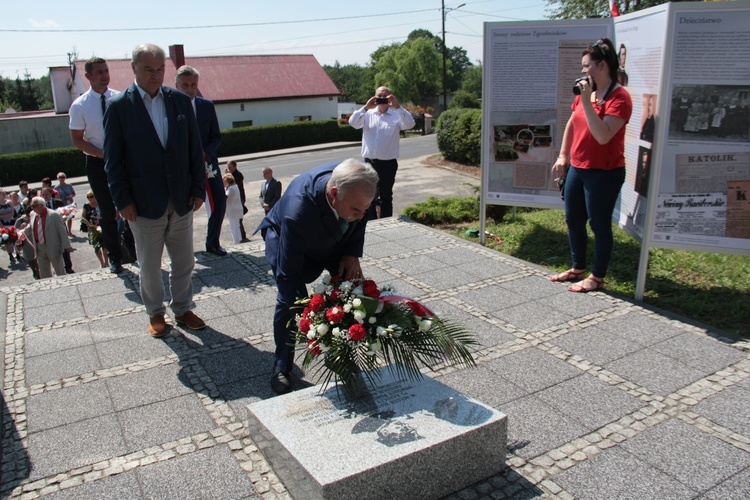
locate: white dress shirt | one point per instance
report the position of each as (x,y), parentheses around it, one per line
(86,114)
(158,113)
(381,131)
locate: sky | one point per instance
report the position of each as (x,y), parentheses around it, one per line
(37,34)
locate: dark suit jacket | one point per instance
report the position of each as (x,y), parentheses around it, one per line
(208,126)
(303,235)
(273,193)
(139,169)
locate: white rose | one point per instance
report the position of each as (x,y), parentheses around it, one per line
(359,316)
(336,332)
(322,329)
(372,320)
(357,302)
(311,334)
(425,325)
(347,308)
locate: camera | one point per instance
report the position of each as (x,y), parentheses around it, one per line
(576,88)
(381,100)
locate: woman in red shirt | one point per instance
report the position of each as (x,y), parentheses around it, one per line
(593,146)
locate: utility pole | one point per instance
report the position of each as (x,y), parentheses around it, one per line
(445,50)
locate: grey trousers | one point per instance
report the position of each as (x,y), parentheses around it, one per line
(151,237)
(47,262)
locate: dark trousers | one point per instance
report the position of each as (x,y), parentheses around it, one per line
(590,195)
(386,170)
(98,182)
(215,190)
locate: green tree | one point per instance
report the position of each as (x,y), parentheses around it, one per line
(464,99)
(412,71)
(579,9)
(472,80)
(353,81)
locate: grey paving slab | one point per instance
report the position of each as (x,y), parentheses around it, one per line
(241,393)
(220,266)
(729,408)
(596,344)
(67,405)
(404,288)
(641,328)
(460,255)
(188,476)
(421,242)
(237,364)
(218,330)
(692,457)
(395,233)
(536,427)
(535,287)
(445,278)
(119,327)
(123,486)
(485,268)
(212,307)
(164,421)
(44,298)
(258,321)
(590,401)
(485,333)
(119,284)
(61,364)
(148,386)
(703,353)
(112,302)
(655,371)
(74,445)
(736,487)
(576,304)
(491,299)
(223,281)
(248,300)
(131,349)
(484,385)
(46,315)
(617,474)
(532,369)
(58,339)
(417,264)
(534,316)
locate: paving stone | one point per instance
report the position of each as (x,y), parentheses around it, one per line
(654,371)
(533,316)
(61,364)
(703,353)
(148,386)
(119,327)
(532,369)
(123,486)
(236,364)
(644,329)
(143,426)
(736,487)
(58,339)
(729,408)
(692,457)
(492,299)
(596,344)
(110,303)
(62,311)
(67,405)
(484,385)
(256,297)
(131,349)
(417,264)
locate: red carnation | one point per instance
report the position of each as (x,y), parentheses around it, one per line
(314,347)
(371,289)
(335,314)
(306,312)
(304,325)
(317,302)
(357,332)
(335,294)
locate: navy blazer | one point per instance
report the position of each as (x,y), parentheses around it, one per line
(303,235)
(142,171)
(208,126)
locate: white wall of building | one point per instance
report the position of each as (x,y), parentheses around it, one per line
(279,111)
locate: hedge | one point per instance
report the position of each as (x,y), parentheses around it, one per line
(459,135)
(35,166)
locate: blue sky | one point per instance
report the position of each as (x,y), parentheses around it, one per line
(35,35)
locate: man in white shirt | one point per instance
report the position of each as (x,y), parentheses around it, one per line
(87,134)
(382,119)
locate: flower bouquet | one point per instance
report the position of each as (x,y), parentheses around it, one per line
(8,234)
(348,328)
(67,212)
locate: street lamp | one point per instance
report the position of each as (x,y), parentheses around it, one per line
(445,89)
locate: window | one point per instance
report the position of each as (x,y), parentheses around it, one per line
(244,123)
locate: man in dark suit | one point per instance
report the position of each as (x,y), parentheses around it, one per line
(270,193)
(186,80)
(155,170)
(318,224)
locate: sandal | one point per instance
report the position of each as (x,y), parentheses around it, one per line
(569,275)
(581,287)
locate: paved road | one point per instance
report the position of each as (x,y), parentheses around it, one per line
(414,183)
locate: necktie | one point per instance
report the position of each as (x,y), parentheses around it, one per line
(104,104)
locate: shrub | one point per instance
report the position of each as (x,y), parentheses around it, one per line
(464,99)
(35,166)
(451,210)
(459,135)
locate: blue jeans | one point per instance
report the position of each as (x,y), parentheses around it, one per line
(590,195)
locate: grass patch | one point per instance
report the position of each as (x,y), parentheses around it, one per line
(707,287)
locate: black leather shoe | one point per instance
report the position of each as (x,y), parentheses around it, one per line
(281,383)
(216,251)
(115,267)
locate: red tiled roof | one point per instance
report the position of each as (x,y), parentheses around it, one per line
(241,78)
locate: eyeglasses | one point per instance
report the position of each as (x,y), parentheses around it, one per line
(34,205)
(599,44)
(89,196)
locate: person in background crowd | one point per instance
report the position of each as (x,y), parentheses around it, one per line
(593,147)
(46,232)
(67,195)
(8,220)
(234,208)
(382,119)
(239,181)
(91,218)
(270,193)
(87,134)
(23,190)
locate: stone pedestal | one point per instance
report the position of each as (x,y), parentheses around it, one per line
(397,440)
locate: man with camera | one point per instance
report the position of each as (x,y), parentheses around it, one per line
(382,119)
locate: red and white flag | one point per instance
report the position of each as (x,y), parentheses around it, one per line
(614,8)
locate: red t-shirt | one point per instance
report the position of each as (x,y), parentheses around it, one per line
(585,151)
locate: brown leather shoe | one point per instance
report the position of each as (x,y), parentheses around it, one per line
(190,320)
(157,327)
